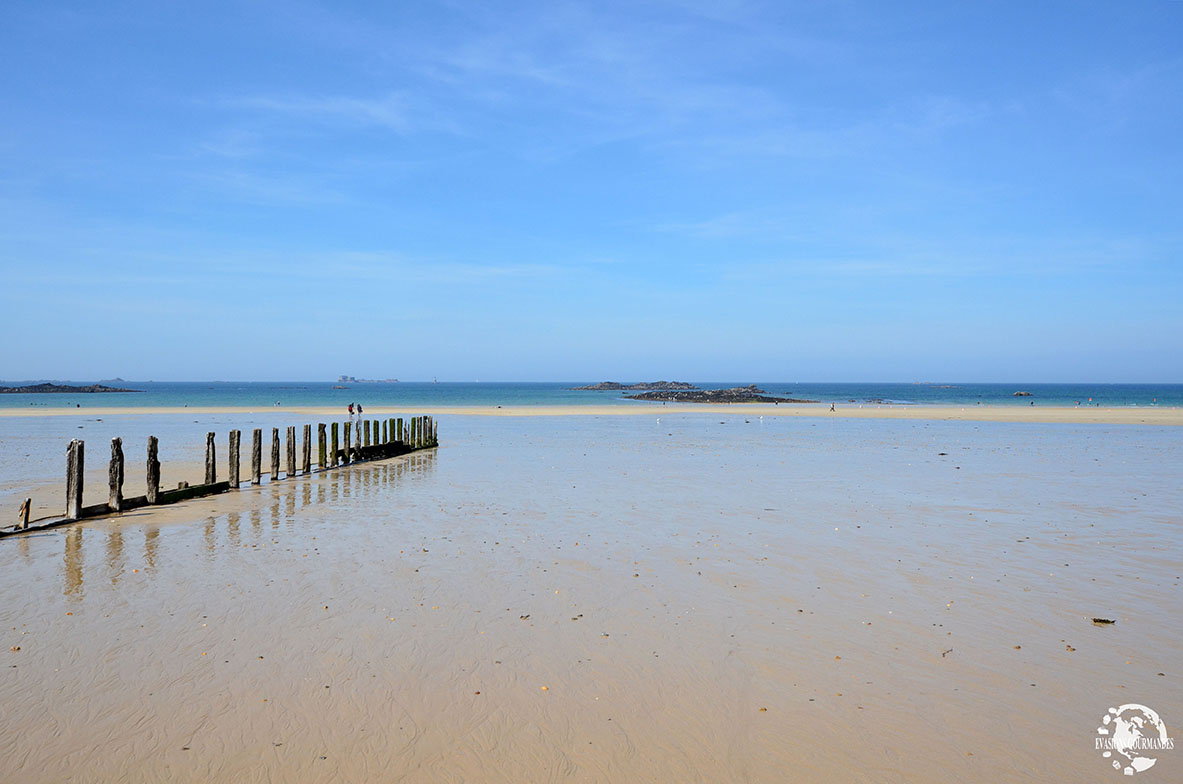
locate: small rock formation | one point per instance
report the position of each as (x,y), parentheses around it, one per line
(748,394)
(1022,394)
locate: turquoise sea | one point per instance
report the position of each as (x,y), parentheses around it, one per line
(205,394)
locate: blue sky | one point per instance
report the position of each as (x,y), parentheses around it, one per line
(515,191)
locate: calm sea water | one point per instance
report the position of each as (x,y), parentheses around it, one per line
(418,394)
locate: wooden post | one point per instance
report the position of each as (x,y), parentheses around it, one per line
(392,439)
(235,437)
(357,440)
(336,447)
(74,468)
(399,428)
(153,470)
(320,446)
(435,433)
(348,442)
(291,444)
(257,456)
(306,458)
(411,438)
(23,516)
(365,426)
(274,454)
(211,467)
(115,476)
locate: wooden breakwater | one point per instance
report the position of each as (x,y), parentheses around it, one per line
(364,439)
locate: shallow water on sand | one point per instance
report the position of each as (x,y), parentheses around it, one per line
(702,598)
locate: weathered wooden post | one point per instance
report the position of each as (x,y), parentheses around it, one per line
(392,438)
(74,467)
(357,441)
(115,476)
(153,493)
(291,444)
(336,447)
(306,458)
(235,437)
(211,467)
(365,426)
(348,441)
(257,456)
(23,516)
(321,448)
(411,437)
(274,454)
(399,429)
(435,433)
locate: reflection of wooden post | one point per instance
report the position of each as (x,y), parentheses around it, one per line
(235,436)
(23,516)
(153,470)
(291,443)
(274,454)
(348,442)
(211,467)
(257,456)
(306,458)
(115,476)
(321,447)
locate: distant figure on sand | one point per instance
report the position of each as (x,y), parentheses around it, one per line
(351,411)
(359,409)
(831,406)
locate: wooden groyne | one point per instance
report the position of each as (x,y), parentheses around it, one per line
(364,440)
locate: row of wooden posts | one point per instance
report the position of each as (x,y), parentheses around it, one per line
(364,440)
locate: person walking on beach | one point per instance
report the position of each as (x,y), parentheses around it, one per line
(350,412)
(831,406)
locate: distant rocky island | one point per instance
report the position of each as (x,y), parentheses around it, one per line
(61,389)
(617,386)
(748,394)
(353,380)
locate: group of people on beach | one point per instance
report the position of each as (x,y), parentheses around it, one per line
(356,406)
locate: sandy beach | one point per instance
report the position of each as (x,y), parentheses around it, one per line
(616,599)
(1145,415)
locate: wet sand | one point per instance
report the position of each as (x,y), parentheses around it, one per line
(1134,415)
(557,599)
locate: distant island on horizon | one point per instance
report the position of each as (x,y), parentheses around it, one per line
(42,389)
(616,386)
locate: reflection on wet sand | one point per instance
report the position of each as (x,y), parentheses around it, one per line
(281,506)
(115,554)
(151,546)
(73,571)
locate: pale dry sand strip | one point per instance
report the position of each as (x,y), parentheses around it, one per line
(1172,416)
